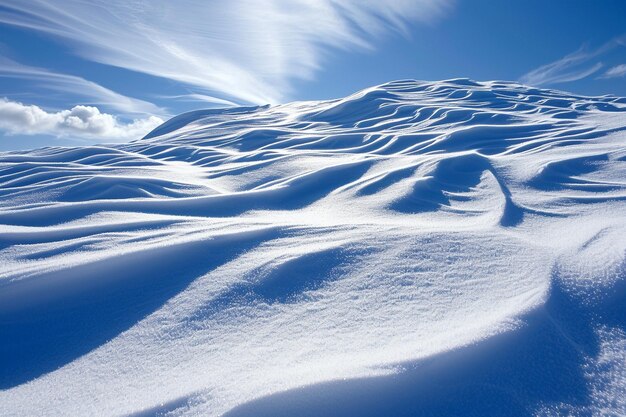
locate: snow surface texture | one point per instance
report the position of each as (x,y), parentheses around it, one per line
(448,248)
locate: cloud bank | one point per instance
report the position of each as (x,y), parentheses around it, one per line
(80,121)
(239,50)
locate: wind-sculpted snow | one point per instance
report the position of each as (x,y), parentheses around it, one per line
(448,248)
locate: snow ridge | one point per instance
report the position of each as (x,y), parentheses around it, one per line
(417,241)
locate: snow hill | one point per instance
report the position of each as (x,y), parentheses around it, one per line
(445,248)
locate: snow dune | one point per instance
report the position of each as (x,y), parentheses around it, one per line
(445,248)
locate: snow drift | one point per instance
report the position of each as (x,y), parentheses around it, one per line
(446,248)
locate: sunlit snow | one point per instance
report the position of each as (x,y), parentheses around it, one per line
(413,249)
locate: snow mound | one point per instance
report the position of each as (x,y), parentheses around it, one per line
(417,248)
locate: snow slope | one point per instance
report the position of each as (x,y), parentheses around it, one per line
(446,248)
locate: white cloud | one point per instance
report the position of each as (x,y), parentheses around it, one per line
(242,50)
(80,121)
(615,72)
(572,67)
(191,97)
(77,87)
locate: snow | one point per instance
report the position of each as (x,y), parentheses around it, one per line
(417,248)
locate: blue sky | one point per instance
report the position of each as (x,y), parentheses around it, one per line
(77,72)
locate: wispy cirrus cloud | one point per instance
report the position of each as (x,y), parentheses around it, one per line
(577,65)
(81,121)
(78,88)
(615,72)
(234,50)
(195,97)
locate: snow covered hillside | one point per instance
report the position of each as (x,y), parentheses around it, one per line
(446,248)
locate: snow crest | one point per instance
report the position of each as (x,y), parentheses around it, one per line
(445,248)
